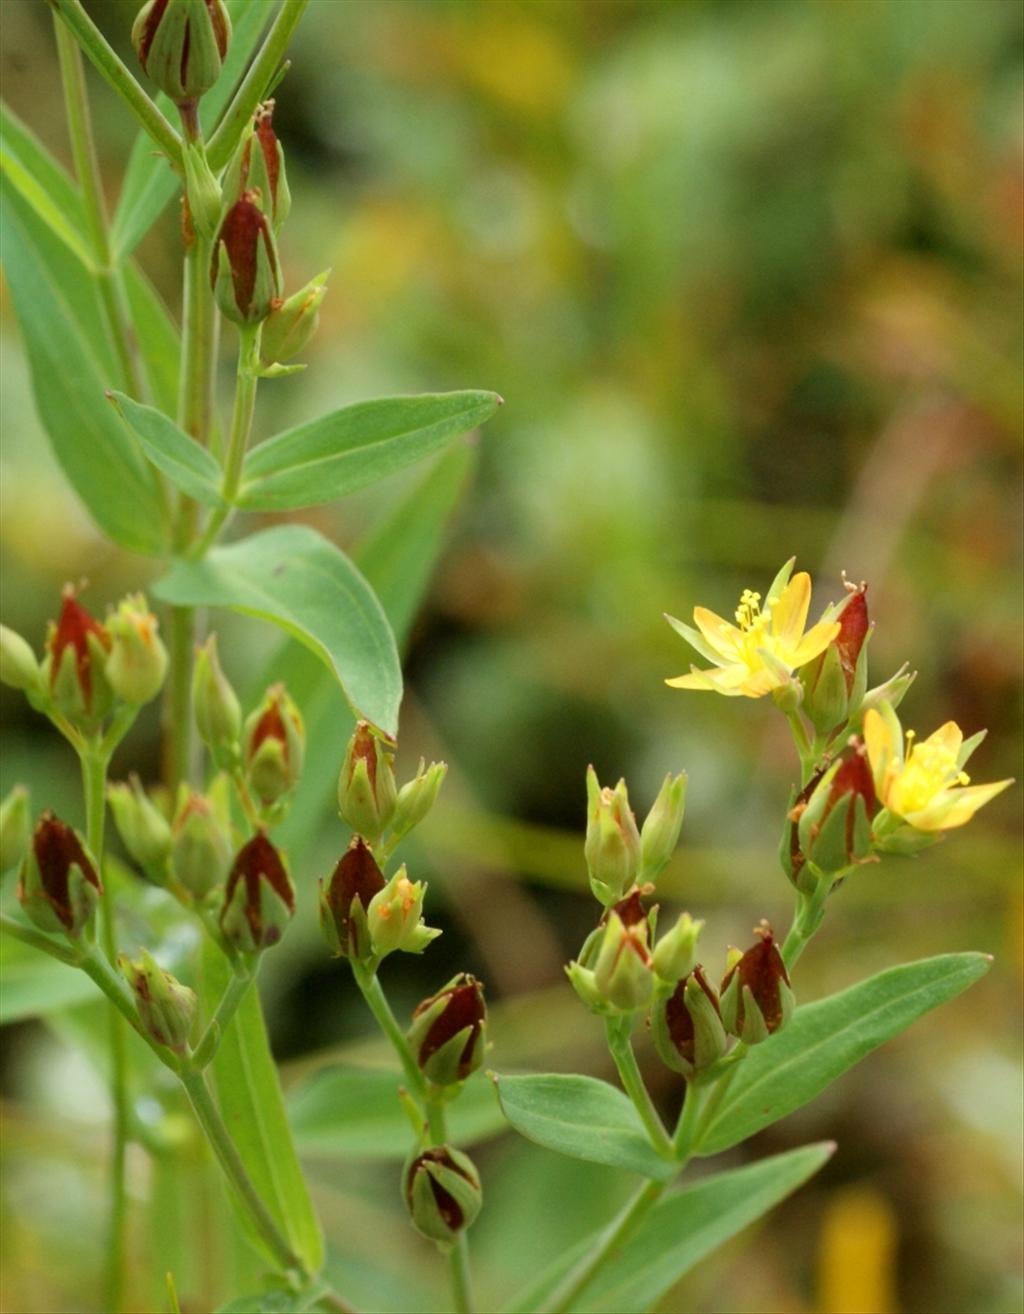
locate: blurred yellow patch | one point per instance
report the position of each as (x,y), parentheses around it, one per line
(516,60)
(856,1260)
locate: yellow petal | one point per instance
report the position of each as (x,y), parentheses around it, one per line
(789,616)
(816,640)
(695,680)
(879,742)
(955,807)
(948,737)
(722,636)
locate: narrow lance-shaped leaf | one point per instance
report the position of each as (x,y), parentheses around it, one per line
(827,1038)
(250,1100)
(187,464)
(583,1118)
(101,461)
(294,577)
(680,1230)
(31,170)
(356,446)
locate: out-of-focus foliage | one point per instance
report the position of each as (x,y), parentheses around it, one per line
(747,274)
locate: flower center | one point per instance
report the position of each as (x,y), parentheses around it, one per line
(929,769)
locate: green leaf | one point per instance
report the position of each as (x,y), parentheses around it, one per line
(826,1038)
(32,171)
(187,464)
(353,1113)
(149,183)
(356,446)
(583,1118)
(158,338)
(101,461)
(32,984)
(680,1230)
(397,558)
(294,577)
(250,1100)
(274,1301)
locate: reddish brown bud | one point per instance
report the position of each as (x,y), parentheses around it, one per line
(245,273)
(76,653)
(830,820)
(853,628)
(756,998)
(448,1032)
(346,898)
(687,1026)
(259,899)
(59,885)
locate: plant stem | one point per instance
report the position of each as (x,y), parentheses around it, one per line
(621,1046)
(195,416)
(83,150)
(810,912)
(37,939)
(116,74)
(804,748)
(230,1161)
(234,993)
(565,1294)
(254,85)
(94,783)
(380,1008)
(246,382)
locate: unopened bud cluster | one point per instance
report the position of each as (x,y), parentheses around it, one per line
(89,668)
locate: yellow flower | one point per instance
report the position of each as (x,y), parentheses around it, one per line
(765,646)
(924,783)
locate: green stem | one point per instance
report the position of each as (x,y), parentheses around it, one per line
(94,784)
(230,1161)
(87,171)
(810,912)
(621,1046)
(254,86)
(234,993)
(246,382)
(116,74)
(804,746)
(378,1005)
(635,1209)
(37,939)
(195,416)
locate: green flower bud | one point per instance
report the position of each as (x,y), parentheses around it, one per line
(395,917)
(366,785)
(245,272)
(137,662)
(687,1026)
(181,44)
(259,900)
(660,833)
(622,972)
(257,169)
(676,952)
(144,830)
(14,829)
(200,844)
(346,899)
(449,1031)
(167,1009)
(74,668)
(442,1192)
(829,828)
(201,189)
(612,847)
(290,326)
(18,665)
(418,796)
(756,998)
(891,692)
(273,744)
(59,886)
(582,981)
(216,707)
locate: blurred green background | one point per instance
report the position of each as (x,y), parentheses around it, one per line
(748,275)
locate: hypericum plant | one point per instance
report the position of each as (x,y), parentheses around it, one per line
(127,398)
